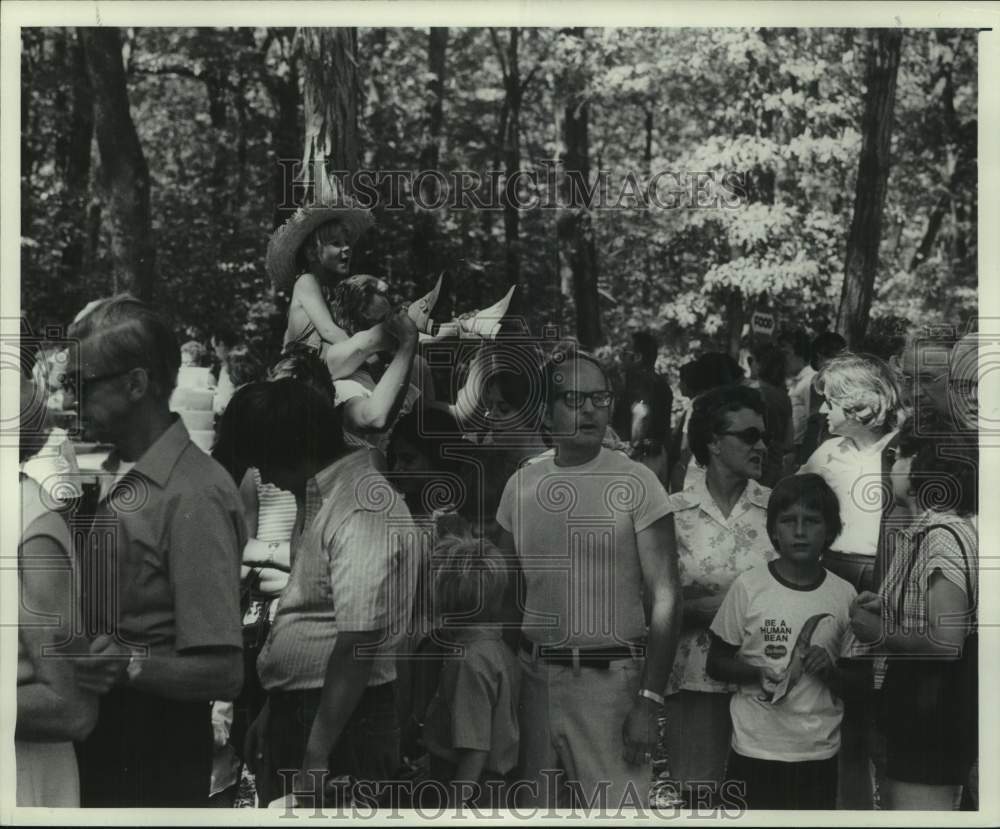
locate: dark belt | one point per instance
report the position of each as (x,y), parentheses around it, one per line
(584,657)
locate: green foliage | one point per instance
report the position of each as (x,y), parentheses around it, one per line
(781,108)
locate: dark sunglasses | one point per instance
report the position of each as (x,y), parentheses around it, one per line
(751,436)
(576,399)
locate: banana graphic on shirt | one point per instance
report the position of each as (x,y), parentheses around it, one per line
(794,669)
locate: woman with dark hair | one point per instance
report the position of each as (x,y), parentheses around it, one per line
(498,408)
(769,361)
(923,624)
(270,516)
(709,371)
(331,710)
(721,529)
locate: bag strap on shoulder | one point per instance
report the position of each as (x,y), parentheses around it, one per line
(918,542)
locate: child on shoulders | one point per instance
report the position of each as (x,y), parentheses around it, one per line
(308,256)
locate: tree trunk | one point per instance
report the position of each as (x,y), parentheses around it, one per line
(76,163)
(124,173)
(575,229)
(861,261)
(512,160)
(647,153)
(735,320)
(329,60)
(215,88)
(285,134)
(426,259)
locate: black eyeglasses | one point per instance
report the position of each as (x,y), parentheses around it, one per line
(751,436)
(576,399)
(72,383)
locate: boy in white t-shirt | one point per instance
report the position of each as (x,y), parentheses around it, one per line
(780,634)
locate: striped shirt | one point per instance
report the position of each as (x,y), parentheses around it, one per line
(355,566)
(930,551)
(275,511)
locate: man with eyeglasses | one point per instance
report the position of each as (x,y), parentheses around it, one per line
(591,531)
(161,571)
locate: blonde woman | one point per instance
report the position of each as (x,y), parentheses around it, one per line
(862,405)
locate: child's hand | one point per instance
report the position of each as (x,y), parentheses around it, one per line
(769,679)
(867,626)
(401,327)
(817,661)
(866,600)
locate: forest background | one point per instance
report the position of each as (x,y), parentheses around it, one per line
(158,161)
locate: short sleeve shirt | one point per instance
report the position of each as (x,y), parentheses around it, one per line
(170,534)
(475,706)
(768,618)
(355,568)
(712,551)
(575,531)
(930,549)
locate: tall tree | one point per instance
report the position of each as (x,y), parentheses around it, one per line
(73,158)
(509,142)
(283,86)
(124,174)
(425,249)
(574,225)
(861,260)
(329,61)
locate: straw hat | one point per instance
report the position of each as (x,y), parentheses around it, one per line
(287,239)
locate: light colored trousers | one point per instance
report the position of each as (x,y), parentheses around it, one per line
(571,722)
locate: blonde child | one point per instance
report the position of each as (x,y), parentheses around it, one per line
(471,729)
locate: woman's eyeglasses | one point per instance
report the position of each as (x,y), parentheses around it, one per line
(576,399)
(751,436)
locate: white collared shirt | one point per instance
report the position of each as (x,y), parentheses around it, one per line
(855,475)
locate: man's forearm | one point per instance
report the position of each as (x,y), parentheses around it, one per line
(390,391)
(664,633)
(194,676)
(345,681)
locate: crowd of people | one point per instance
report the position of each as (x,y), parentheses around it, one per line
(507,577)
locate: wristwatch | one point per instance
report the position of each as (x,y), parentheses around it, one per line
(134,666)
(659,699)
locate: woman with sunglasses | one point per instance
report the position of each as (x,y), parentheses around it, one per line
(720,521)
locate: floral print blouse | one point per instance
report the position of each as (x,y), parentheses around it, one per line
(712,551)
